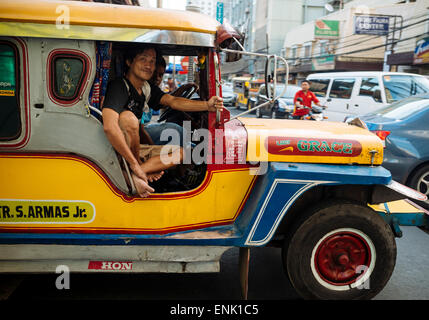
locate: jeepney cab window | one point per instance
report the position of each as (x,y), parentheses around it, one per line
(66,74)
(10,120)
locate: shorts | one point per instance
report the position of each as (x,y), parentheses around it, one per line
(148,151)
(172,132)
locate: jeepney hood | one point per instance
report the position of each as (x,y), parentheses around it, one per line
(310,142)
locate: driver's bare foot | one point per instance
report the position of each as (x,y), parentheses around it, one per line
(142,187)
(155,176)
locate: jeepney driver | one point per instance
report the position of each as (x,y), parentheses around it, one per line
(123,107)
(307,97)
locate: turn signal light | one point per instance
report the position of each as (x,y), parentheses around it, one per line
(382,134)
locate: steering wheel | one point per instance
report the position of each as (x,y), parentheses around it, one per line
(185,91)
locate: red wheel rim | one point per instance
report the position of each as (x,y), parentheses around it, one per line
(341,258)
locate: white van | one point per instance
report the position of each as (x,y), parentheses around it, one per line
(357,93)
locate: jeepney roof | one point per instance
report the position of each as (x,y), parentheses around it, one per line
(97,21)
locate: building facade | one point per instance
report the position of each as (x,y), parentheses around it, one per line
(405,22)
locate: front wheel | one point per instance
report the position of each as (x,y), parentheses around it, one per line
(342,250)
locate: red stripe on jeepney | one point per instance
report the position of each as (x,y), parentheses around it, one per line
(211,169)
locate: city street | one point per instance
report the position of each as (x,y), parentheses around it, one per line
(91,195)
(267,281)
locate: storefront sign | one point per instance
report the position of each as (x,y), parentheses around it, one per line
(326,29)
(421,53)
(324,63)
(376,25)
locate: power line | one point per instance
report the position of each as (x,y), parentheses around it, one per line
(366,40)
(414,25)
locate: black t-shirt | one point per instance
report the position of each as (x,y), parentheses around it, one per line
(119,99)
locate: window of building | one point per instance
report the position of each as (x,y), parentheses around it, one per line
(324,47)
(293,52)
(10,119)
(307,50)
(342,88)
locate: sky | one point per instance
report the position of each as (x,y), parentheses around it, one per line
(170,4)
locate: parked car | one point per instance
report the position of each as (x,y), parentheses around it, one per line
(403,126)
(282,108)
(229,97)
(358,93)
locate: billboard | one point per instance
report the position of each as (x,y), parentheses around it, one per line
(421,53)
(375,25)
(326,29)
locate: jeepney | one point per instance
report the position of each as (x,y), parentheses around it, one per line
(241,87)
(317,190)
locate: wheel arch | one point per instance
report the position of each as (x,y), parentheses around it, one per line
(415,169)
(363,194)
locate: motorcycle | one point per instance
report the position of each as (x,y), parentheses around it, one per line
(316,113)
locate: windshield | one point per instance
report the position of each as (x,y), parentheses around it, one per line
(398,87)
(401,110)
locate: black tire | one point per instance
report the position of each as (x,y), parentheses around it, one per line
(420,182)
(340,250)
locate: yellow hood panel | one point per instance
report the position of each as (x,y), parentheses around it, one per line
(311,142)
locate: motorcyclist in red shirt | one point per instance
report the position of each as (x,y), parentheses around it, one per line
(303,100)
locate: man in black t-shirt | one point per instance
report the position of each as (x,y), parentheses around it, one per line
(123,107)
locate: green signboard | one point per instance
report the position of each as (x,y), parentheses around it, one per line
(326,29)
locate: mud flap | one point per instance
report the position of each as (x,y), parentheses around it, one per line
(244,259)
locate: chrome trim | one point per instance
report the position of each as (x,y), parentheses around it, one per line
(177,37)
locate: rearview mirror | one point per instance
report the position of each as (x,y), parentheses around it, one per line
(227,37)
(269,76)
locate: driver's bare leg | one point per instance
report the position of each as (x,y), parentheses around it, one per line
(130,127)
(163,162)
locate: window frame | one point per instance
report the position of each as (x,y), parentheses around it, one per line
(83,80)
(15,49)
(342,79)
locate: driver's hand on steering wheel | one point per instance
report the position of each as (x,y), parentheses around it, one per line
(215,103)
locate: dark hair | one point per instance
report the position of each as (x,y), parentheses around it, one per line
(305,81)
(135,51)
(160,61)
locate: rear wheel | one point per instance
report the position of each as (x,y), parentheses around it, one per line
(420,182)
(340,250)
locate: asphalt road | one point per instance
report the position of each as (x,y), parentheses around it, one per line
(267,281)
(410,280)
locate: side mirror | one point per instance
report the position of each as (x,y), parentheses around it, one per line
(269,75)
(227,37)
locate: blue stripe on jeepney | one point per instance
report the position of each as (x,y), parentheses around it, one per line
(277,190)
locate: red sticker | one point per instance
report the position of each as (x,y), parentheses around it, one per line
(110,265)
(313,147)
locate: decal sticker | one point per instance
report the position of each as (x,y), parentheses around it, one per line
(45,211)
(110,265)
(8,93)
(313,147)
